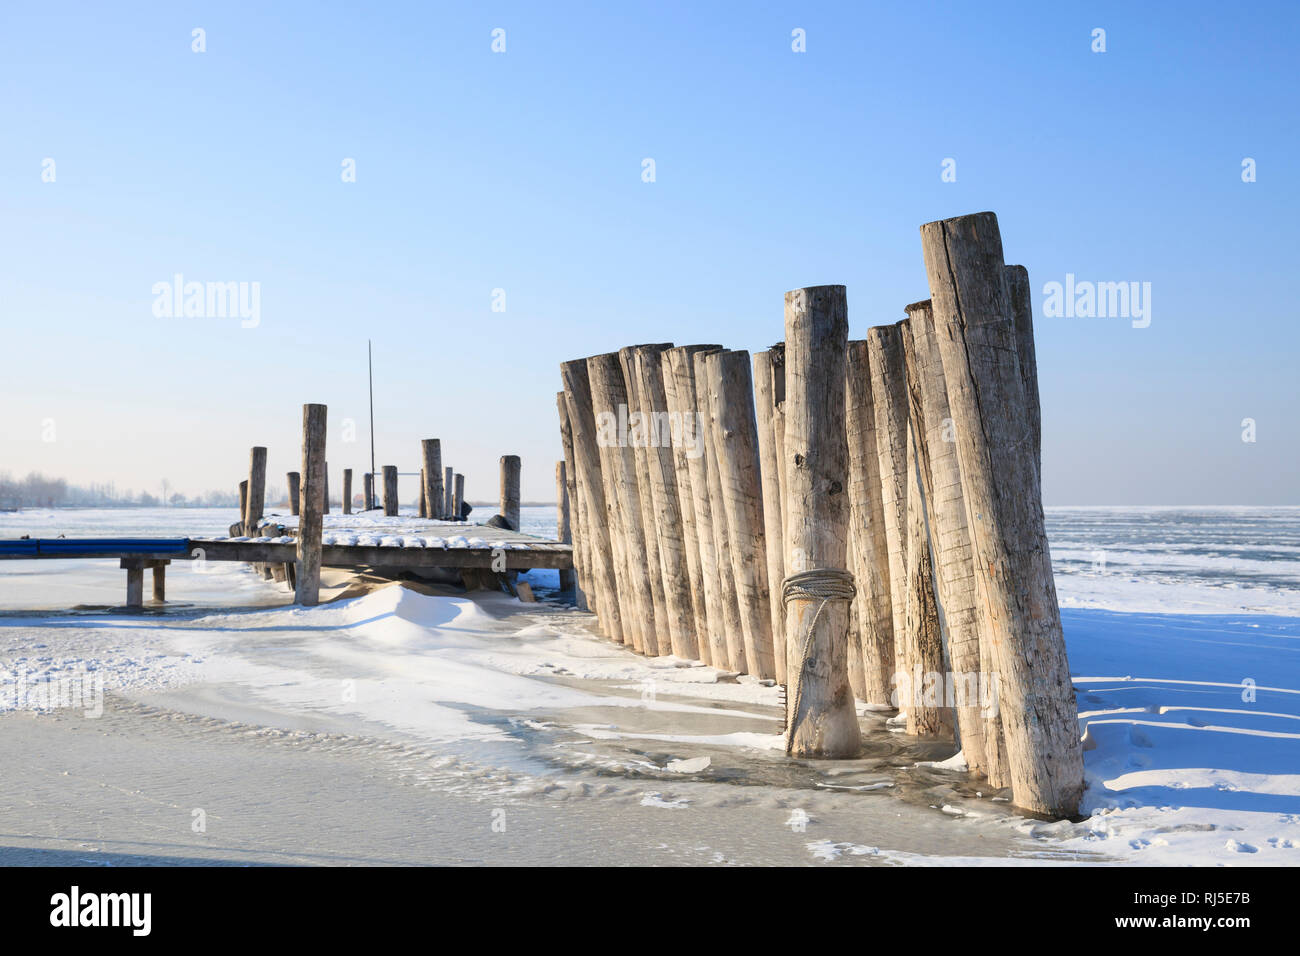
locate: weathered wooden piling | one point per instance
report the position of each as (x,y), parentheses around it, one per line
(950,540)
(773,532)
(243,500)
(636,439)
(256,489)
(599,528)
(1016,593)
(618,474)
(448,479)
(578,517)
(889,398)
(735,436)
(368,491)
(310,524)
(458,496)
(390,490)
(431,478)
(563,526)
(510,490)
(870,547)
(687,443)
(1022,314)
(424,501)
(293,480)
(732,652)
(325,482)
(821,719)
(696,504)
(160,581)
(347,491)
(670,535)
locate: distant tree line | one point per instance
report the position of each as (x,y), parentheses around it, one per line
(42,491)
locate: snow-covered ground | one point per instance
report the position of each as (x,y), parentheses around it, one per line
(1191,720)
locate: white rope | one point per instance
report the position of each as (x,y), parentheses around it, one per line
(826,585)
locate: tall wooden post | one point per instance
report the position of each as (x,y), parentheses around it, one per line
(773,532)
(431,478)
(1022,314)
(160,581)
(889,397)
(946,510)
(294,481)
(313,494)
(578,518)
(599,527)
(347,491)
(735,436)
(563,526)
(867,520)
(731,653)
(1015,591)
(325,482)
(821,717)
(256,489)
(458,496)
(688,444)
(243,501)
(636,437)
(510,490)
(618,474)
(448,478)
(669,531)
(368,491)
(424,501)
(390,490)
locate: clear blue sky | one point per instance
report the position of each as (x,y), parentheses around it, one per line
(522,171)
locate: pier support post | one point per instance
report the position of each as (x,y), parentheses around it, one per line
(295,492)
(431,478)
(243,501)
(510,490)
(347,491)
(134,582)
(821,717)
(875,631)
(160,581)
(325,481)
(458,497)
(578,518)
(256,489)
(1016,594)
(773,533)
(310,524)
(731,654)
(368,491)
(735,439)
(390,490)
(424,501)
(448,477)
(563,526)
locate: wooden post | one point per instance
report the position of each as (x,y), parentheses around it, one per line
(778,427)
(773,532)
(1022,314)
(390,490)
(950,539)
(431,477)
(243,500)
(325,481)
(730,651)
(577,513)
(367,491)
(875,624)
(510,490)
(636,438)
(448,479)
(889,398)
(256,489)
(347,491)
(310,524)
(821,718)
(1015,591)
(295,503)
(688,457)
(602,572)
(134,581)
(618,474)
(458,496)
(160,581)
(735,438)
(563,526)
(424,501)
(669,530)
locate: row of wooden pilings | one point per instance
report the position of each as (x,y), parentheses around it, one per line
(848,518)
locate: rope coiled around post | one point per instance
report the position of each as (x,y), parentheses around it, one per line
(826,585)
